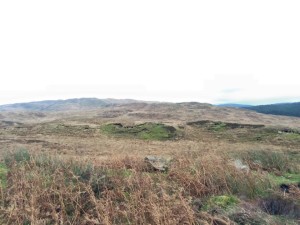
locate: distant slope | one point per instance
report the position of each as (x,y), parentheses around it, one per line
(234,105)
(96,111)
(285,109)
(65,105)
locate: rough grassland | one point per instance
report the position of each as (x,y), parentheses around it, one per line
(89,168)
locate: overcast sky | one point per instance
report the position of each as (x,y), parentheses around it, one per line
(206,51)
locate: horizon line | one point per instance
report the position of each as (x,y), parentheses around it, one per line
(249,103)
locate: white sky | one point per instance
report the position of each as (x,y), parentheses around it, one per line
(206,51)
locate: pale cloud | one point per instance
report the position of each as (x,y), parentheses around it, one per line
(206,51)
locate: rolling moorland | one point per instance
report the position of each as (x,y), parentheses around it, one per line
(107,161)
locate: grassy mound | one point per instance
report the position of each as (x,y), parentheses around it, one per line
(220,126)
(249,132)
(145,131)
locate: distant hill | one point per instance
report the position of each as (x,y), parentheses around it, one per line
(285,109)
(99,110)
(65,105)
(234,105)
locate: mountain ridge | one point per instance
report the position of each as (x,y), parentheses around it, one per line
(84,104)
(234,105)
(65,105)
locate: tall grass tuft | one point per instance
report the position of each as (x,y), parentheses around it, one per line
(271,160)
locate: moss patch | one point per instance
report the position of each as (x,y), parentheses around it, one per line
(145,131)
(222,201)
(219,126)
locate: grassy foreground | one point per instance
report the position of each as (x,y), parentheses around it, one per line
(196,189)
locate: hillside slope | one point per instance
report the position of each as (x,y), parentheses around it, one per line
(64,105)
(285,109)
(93,110)
(234,105)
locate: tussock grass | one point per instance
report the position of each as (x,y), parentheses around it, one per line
(214,175)
(271,160)
(49,190)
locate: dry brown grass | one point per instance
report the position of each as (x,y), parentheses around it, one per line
(61,197)
(45,190)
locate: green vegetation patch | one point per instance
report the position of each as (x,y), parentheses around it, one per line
(145,131)
(287,178)
(221,201)
(219,126)
(292,136)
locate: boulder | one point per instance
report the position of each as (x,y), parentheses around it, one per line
(158,163)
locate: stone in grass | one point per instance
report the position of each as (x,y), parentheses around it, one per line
(241,166)
(158,163)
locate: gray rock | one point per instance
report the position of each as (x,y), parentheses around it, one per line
(241,166)
(158,163)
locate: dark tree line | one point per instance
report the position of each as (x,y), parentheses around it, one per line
(286,109)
